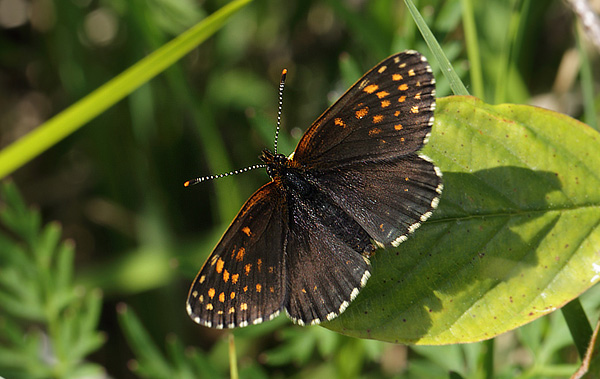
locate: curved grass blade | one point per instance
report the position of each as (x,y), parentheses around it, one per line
(72,118)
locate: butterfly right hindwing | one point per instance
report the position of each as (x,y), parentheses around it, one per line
(325,264)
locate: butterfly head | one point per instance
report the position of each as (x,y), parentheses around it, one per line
(275,163)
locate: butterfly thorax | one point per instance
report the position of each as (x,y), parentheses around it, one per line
(288,174)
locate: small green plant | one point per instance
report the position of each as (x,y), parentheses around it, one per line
(49,324)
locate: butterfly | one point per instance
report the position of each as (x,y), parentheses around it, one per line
(356,181)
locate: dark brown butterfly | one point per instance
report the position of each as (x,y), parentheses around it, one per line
(301,243)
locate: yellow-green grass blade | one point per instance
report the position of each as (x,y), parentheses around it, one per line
(77,115)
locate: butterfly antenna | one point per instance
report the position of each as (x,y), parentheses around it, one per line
(281,85)
(211,177)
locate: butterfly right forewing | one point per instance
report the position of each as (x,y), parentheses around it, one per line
(243,280)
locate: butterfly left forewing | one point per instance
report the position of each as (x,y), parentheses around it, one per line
(386,114)
(243,280)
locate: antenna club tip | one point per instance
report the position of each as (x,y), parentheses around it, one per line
(186,184)
(283,75)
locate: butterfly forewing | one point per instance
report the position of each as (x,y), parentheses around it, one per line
(243,280)
(387,113)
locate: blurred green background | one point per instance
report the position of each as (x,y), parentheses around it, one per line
(116,188)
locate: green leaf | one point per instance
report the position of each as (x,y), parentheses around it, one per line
(141,343)
(72,118)
(516,235)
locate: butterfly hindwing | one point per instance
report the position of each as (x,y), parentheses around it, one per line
(243,280)
(387,113)
(325,264)
(389,199)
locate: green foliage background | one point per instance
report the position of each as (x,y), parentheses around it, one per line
(115,185)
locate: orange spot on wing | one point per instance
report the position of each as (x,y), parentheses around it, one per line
(339,122)
(362,112)
(374,131)
(225,275)
(234,278)
(377,119)
(398,126)
(401,99)
(246,231)
(414,109)
(209,306)
(258,288)
(371,88)
(385,103)
(247,268)
(232,295)
(240,254)
(397,77)
(211,292)
(220,264)
(259,264)
(222,297)
(244,306)
(403,87)
(382,94)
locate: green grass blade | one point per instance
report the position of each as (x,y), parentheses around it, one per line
(472,48)
(587,84)
(579,325)
(72,118)
(455,83)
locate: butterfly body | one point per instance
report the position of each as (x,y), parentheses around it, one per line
(301,243)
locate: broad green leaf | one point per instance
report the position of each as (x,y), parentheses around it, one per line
(516,235)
